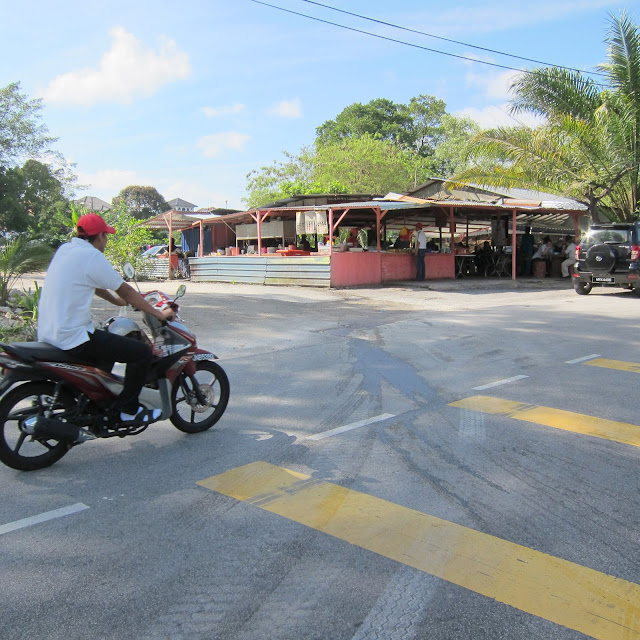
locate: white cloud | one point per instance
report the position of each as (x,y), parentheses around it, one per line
(215,144)
(288,109)
(494,85)
(227,110)
(498,116)
(124,72)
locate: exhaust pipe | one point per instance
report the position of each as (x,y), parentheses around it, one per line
(56,429)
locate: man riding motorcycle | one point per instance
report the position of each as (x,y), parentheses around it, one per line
(77,271)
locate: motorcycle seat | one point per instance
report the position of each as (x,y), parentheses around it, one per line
(31,351)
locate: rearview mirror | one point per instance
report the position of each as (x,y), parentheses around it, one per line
(182,289)
(129,271)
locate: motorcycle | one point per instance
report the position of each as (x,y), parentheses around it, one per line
(51,403)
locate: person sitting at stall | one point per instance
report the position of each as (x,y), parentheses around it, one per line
(304,244)
(483,256)
(352,238)
(544,253)
(403,241)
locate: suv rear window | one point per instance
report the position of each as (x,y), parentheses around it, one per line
(608,236)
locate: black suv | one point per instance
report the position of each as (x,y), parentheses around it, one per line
(608,256)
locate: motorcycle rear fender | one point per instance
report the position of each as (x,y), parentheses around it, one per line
(23,373)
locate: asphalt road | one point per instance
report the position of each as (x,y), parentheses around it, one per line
(394,463)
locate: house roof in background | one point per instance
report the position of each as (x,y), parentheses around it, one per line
(92,203)
(179,202)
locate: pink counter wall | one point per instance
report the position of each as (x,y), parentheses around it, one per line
(351,268)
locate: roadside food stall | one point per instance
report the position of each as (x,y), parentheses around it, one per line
(170,221)
(450,219)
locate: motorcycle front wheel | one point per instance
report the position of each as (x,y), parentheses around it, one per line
(18,448)
(189,415)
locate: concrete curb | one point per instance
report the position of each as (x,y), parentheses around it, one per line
(483,284)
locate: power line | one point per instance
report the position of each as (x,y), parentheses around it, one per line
(408,44)
(465,44)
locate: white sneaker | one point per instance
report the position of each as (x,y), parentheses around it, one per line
(143,415)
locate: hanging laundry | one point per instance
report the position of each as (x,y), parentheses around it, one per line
(321,222)
(300,223)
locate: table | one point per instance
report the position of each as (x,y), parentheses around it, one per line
(465,265)
(499,264)
(293,252)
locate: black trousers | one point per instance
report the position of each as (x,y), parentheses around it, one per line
(105,348)
(420,270)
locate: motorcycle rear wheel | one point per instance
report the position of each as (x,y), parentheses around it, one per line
(18,449)
(190,416)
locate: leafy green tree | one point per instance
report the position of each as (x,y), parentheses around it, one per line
(130,237)
(141,202)
(415,126)
(450,154)
(30,197)
(365,164)
(424,127)
(19,256)
(381,118)
(589,146)
(280,179)
(22,133)
(13,216)
(374,148)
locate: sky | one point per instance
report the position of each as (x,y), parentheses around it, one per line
(191,96)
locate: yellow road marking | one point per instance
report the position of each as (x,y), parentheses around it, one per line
(569,594)
(634,367)
(556,418)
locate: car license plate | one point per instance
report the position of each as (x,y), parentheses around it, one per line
(602,279)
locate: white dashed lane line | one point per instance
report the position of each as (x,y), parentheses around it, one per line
(43,517)
(499,383)
(584,359)
(349,427)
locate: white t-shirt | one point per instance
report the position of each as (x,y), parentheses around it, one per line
(542,252)
(421,239)
(64,311)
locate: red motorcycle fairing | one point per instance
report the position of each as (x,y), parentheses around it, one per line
(96,384)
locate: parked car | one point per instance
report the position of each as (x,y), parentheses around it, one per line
(156,251)
(608,256)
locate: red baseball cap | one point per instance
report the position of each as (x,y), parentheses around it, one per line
(419,225)
(92,224)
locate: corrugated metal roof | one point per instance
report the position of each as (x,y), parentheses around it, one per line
(514,192)
(542,212)
(179,221)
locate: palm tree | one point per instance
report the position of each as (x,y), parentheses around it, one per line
(589,145)
(20,256)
